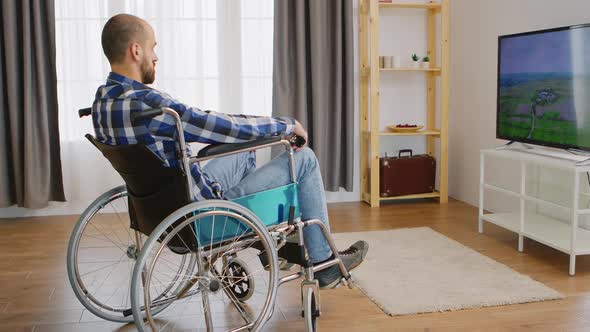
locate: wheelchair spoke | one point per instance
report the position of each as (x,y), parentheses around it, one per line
(110,272)
(119,245)
(106,235)
(99,269)
(162,288)
(237,241)
(116,291)
(211,243)
(125,227)
(234,280)
(152,285)
(169,263)
(251,259)
(129,226)
(181,278)
(160,283)
(247,318)
(110,203)
(184,242)
(125,299)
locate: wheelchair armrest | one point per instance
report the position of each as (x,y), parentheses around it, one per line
(217,149)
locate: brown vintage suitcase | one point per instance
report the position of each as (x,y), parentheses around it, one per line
(406,175)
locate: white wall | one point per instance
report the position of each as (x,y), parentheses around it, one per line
(475,27)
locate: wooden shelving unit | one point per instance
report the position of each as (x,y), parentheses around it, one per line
(370,94)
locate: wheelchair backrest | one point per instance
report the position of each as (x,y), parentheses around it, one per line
(154,190)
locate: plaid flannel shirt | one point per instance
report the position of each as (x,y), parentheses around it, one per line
(121,96)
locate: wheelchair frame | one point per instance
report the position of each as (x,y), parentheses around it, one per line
(276,234)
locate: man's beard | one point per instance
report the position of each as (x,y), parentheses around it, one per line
(148,75)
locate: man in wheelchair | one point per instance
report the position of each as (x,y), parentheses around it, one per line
(128,43)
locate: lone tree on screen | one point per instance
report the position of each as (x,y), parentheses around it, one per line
(541,97)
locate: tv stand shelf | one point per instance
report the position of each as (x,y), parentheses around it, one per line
(568,238)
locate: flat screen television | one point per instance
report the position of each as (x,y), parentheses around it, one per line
(543,93)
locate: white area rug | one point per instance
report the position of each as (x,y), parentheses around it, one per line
(417,270)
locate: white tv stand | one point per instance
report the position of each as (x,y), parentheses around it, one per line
(544,229)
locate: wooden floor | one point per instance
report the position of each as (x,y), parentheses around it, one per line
(35,294)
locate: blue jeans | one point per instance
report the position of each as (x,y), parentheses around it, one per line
(238,176)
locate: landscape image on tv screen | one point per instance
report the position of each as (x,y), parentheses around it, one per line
(544,88)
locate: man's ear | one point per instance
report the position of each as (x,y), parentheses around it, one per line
(136,51)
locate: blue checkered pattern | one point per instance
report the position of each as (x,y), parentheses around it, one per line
(121,96)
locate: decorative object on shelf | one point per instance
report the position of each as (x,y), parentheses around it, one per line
(426,62)
(397,61)
(388,61)
(385,1)
(401,128)
(381,61)
(406,174)
(415,59)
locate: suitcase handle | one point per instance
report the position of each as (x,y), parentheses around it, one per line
(404,151)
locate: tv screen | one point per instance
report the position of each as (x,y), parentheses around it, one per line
(544,87)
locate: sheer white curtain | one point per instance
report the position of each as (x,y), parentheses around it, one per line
(212,54)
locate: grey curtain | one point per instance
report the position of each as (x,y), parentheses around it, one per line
(313,80)
(30,166)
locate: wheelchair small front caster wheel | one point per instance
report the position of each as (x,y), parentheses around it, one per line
(311,310)
(236,278)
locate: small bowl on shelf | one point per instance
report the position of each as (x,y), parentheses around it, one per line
(404,129)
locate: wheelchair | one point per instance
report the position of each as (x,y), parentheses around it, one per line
(144,252)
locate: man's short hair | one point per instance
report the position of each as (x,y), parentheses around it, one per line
(118,32)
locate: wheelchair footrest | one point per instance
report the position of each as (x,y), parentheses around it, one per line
(290,252)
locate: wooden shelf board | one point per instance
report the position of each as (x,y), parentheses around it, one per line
(412,133)
(434,6)
(433,69)
(367,196)
(434,132)
(415,196)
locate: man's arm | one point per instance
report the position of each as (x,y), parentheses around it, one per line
(213,127)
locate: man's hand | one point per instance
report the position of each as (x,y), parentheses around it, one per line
(300,131)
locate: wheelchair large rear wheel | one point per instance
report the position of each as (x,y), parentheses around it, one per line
(226,233)
(101,254)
